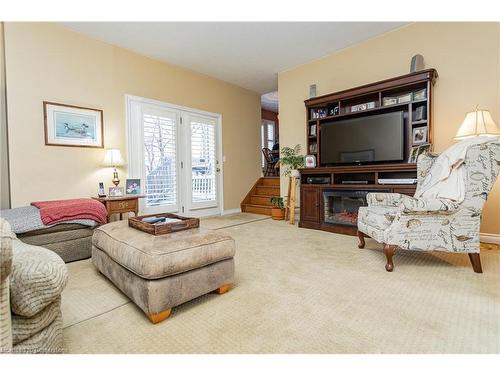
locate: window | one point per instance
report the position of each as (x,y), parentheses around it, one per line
(267,136)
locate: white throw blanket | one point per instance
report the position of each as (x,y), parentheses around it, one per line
(446,178)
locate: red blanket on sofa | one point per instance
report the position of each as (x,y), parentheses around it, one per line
(54,212)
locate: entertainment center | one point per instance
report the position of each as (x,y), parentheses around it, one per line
(365,139)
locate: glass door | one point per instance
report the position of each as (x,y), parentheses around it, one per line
(202,163)
(175,151)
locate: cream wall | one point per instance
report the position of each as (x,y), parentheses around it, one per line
(466,56)
(47,62)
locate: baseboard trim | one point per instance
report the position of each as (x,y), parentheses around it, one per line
(490,238)
(231,211)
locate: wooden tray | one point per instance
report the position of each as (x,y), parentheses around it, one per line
(158,229)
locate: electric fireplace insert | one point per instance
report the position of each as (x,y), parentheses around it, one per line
(341,205)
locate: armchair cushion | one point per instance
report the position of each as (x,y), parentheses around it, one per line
(434,205)
(384,199)
(38,278)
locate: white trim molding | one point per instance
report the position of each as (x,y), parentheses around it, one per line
(490,238)
(231,211)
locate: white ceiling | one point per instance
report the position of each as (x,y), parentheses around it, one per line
(247,54)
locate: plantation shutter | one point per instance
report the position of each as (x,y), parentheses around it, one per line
(160,158)
(204,163)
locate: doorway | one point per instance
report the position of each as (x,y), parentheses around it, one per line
(176,152)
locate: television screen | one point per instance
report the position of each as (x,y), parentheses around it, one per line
(378,138)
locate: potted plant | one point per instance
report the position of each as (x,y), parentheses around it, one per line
(278,209)
(291,160)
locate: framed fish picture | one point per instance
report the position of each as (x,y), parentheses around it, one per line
(73,126)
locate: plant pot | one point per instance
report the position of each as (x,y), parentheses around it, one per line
(295,173)
(278,213)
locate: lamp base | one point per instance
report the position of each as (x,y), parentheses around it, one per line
(116,180)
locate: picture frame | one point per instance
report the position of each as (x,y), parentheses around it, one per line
(116,191)
(73,126)
(419,135)
(310,161)
(312,130)
(389,100)
(422,150)
(133,186)
(420,94)
(405,98)
(412,158)
(322,112)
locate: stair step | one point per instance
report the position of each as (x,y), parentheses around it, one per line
(257,209)
(269,181)
(260,199)
(267,190)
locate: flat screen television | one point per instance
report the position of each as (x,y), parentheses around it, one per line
(377,138)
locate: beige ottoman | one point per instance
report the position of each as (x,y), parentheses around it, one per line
(160,272)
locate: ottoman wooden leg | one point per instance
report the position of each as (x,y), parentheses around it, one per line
(162,315)
(223,289)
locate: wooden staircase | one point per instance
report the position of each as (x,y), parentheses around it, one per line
(258,198)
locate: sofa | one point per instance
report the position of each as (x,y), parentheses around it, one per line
(32,279)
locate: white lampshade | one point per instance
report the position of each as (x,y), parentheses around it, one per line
(113,158)
(478,122)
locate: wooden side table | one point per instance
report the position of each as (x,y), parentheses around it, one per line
(121,205)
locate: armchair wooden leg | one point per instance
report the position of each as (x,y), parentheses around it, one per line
(389,251)
(475,260)
(361,237)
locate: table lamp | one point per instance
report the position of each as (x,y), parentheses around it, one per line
(476,123)
(113,158)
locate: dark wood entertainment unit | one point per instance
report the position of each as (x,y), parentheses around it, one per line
(331,203)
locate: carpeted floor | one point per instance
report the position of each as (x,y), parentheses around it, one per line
(301,291)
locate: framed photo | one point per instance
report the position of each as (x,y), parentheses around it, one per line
(419,135)
(312,130)
(322,112)
(422,150)
(310,161)
(133,186)
(116,191)
(420,94)
(72,126)
(389,100)
(412,158)
(405,98)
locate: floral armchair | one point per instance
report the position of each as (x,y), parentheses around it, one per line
(422,224)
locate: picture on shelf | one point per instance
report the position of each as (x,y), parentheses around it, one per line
(115,191)
(310,161)
(405,98)
(419,135)
(312,131)
(422,150)
(362,107)
(133,186)
(412,158)
(313,148)
(322,112)
(419,113)
(389,100)
(420,94)
(417,151)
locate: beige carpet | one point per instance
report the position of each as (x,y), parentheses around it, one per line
(301,291)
